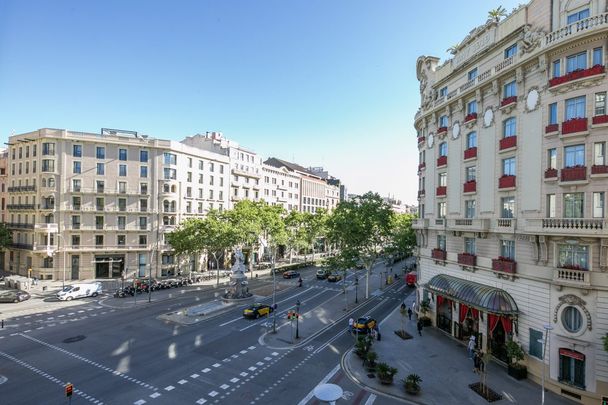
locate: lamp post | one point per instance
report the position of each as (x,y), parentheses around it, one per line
(49,253)
(298,319)
(356,290)
(547,328)
(274,296)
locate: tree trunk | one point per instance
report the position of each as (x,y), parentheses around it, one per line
(369,269)
(313,253)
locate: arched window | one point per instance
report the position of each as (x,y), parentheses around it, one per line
(43,182)
(166,188)
(51,182)
(173,188)
(165,220)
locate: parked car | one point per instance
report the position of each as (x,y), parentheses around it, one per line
(322,274)
(365,324)
(70,292)
(257,310)
(291,274)
(334,277)
(14,296)
(410,278)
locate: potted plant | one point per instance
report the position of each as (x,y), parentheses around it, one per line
(385,373)
(363,345)
(515,354)
(412,384)
(370,361)
(425,308)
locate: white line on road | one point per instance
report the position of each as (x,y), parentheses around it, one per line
(371,399)
(323,381)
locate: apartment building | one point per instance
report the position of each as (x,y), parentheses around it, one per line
(85,205)
(281,187)
(333,189)
(512,235)
(3,200)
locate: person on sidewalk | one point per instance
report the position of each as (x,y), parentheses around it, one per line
(409,313)
(351,322)
(477,362)
(471,346)
(419,325)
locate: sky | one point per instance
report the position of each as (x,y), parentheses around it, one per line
(320,83)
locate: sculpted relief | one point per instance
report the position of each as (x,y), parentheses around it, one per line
(425,69)
(531,39)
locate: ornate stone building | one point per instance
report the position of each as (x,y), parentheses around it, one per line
(512,234)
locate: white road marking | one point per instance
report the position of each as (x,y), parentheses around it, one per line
(216,365)
(244,374)
(371,399)
(233,380)
(155,395)
(251,347)
(206,370)
(224,386)
(252,368)
(140,402)
(213,393)
(194,376)
(323,381)
(201,401)
(169,388)
(182,382)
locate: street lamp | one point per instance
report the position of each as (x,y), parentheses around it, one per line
(298,319)
(356,290)
(49,253)
(547,328)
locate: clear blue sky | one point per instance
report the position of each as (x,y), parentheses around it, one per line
(320,82)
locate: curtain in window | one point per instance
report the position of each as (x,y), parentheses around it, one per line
(507,324)
(492,322)
(463,312)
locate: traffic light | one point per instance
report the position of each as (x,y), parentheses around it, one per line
(69,389)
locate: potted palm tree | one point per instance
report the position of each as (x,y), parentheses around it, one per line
(370,361)
(363,345)
(515,354)
(412,384)
(385,373)
(497,13)
(425,308)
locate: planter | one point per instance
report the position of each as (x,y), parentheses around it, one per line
(470,153)
(421,139)
(442,191)
(506,266)
(599,169)
(421,166)
(550,173)
(467,259)
(518,371)
(506,182)
(469,187)
(577,74)
(508,142)
(574,125)
(508,100)
(551,128)
(574,173)
(438,254)
(412,389)
(441,130)
(442,161)
(470,117)
(600,119)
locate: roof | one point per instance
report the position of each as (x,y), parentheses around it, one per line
(480,296)
(291,166)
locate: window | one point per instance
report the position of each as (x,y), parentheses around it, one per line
(76,183)
(122,223)
(48,149)
(550,205)
(600,103)
(511,51)
(200,179)
(143,156)
(143,171)
(143,223)
(443,92)
(509,127)
(99,222)
(575,108)
(553,113)
(469,246)
(443,179)
(536,347)
(143,240)
(76,203)
(75,221)
(100,169)
(574,155)
(143,188)
(507,249)
(557,66)
(598,205)
(572,367)
(100,186)
(77,150)
(189,177)
(441,210)
(579,15)
(77,168)
(508,167)
(510,89)
(211,166)
(121,240)
(472,140)
(599,153)
(552,158)
(441,242)
(201,165)
(98,240)
(471,173)
(122,154)
(169,174)
(472,107)
(472,74)
(443,149)
(99,203)
(572,319)
(122,170)
(598,57)
(75,240)
(508,207)
(142,264)
(576,62)
(221,169)
(122,187)
(170,158)
(100,152)
(122,204)
(190,162)
(48,165)
(443,121)
(469,209)
(573,205)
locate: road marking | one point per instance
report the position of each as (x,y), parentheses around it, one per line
(252,368)
(260,363)
(243,351)
(182,382)
(155,395)
(140,402)
(224,386)
(206,370)
(169,388)
(267,358)
(194,376)
(323,381)
(201,401)
(244,374)
(274,353)
(213,393)
(216,365)
(371,399)
(251,347)
(233,380)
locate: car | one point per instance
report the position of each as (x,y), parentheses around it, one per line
(14,296)
(322,274)
(80,290)
(365,324)
(256,310)
(410,278)
(291,274)
(334,277)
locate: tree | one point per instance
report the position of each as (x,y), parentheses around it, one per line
(272,226)
(246,221)
(6,236)
(453,49)
(294,229)
(341,262)
(497,13)
(186,239)
(218,236)
(402,237)
(314,226)
(361,228)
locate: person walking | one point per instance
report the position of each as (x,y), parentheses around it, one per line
(351,322)
(419,325)
(409,313)
(471,346)
(477,362)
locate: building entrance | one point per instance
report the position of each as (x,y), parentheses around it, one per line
(109,266)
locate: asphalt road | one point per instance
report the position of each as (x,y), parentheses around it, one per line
(116,352)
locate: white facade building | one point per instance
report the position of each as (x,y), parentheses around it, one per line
(281,187)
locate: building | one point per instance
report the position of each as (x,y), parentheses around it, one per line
(3,200)
(334,191)
(280,186)
(84,205)
(512,235)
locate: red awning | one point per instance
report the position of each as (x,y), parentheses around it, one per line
(572,353)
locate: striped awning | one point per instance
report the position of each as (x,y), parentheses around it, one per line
(480,296)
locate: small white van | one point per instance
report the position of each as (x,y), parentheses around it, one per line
(79,291)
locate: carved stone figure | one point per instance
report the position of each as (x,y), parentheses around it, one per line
(531,39)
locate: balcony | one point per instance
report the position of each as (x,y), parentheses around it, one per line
(420,223)
(47,227)
(504,265)
(422,166)
(578,28)
(566,226)
(442,161)
(508,101)
(506,182)
(508,143)
(573,277)
(469,224)
(575,173)
(551,128)
(551,173)
(441,191)
(599,120)
(505,223)
(467,259)
(576,75)
(421,139)
(21,189)
(599,169)
(470,118)
(420,193)
(25,246)
(18,225)
(20,207)
(439,254)
(442,130)
(574,125)
(470,153)
(469,187)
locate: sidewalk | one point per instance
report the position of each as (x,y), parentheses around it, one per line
(443,365)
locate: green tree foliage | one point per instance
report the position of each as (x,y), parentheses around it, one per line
(314,227)
(6,236)
(294,230)
(361,228)
(497,13)
(402,237)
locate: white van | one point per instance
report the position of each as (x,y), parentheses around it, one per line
(79,290)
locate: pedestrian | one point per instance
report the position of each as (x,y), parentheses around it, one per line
(419,325)
(374,334)
(403,306)
(351,322)
(471,346)
(409,313)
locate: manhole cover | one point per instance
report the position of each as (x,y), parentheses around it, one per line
(74,339)
(3,379)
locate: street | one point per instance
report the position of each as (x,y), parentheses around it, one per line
(116,352)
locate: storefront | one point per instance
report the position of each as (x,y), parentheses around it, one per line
(465,308)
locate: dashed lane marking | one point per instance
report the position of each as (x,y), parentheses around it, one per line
(140,402)
(201,401)
(169,388)
(182,382)
(155,395)
(213,393)
(224,386)
(206,370)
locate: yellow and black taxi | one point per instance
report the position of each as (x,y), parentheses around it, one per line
(257,310)
(334,277)
(365,324)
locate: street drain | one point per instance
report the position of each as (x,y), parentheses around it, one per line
(74,339)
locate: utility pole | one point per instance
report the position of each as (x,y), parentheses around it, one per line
(274,294)
(298,319)
(356,289)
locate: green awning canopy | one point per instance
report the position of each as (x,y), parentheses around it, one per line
(480,296)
